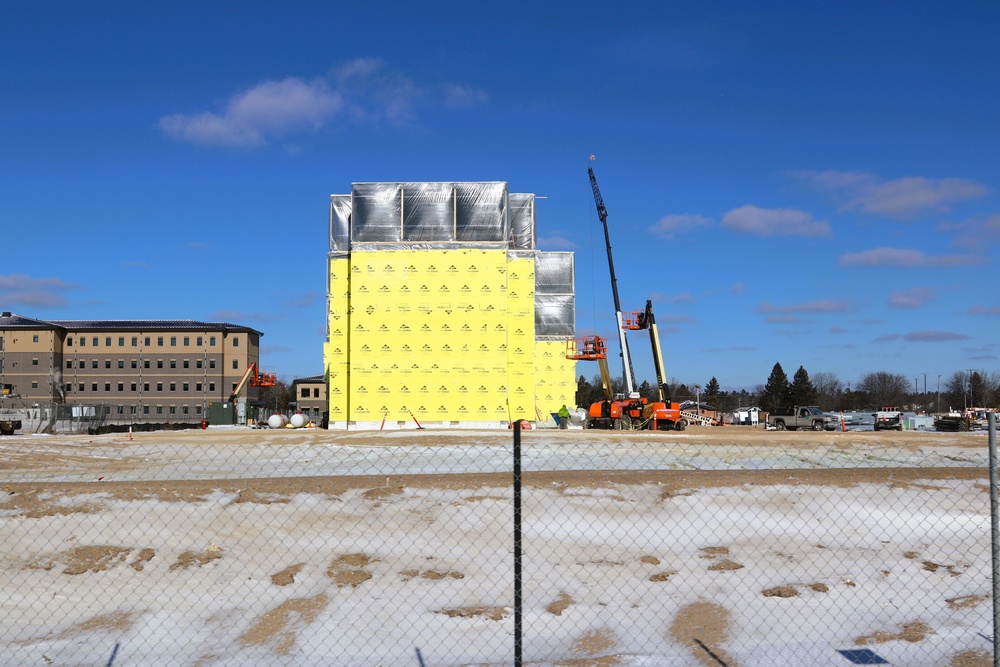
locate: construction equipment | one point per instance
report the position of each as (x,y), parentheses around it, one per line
(255,378)
(664,414)
(629,411)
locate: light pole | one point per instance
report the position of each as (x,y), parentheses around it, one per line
(925,393)
(697,398)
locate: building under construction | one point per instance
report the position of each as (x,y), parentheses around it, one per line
(441,311)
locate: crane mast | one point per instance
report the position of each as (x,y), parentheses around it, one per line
(628,373)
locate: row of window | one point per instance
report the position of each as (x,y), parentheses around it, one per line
(305,392)
(147,341)
(134,386)
(185,363)
(158,409)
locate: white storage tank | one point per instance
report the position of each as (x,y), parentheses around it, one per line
(298,420)
(277,421)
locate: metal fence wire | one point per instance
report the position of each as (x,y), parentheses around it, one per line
(717,546)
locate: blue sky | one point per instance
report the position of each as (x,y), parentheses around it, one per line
(811,183)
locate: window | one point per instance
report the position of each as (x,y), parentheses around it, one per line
(95,341)
(69,387)
(93,364)
(173,410)
(133,386)
(211,363)
(121,363)
(197,410)
(199,341)
(121,386)
(186,363)
(197,364)
(107,386)
(34,339)
(159,409)
(159,341)
(159,386)
(145,386)
(69,364)
(145,363)
(132,410)
(82,386)
(135,364)
(69,341)
(34,385)
(234,387)
(121,341)
(82,364)
(107,363)
(315,392)
(236,363)
(34,362)
(173,341)
(159,363)
(211,386)
(173,386)
(83,342)
(93,386)
(135,341)
(197,387)
(121,409)
(173,363)
(236,341)
(184,409)
(187,341)
(211,341)
(186,386)
(147,341)
(107,342)
(145,409)
(305,392)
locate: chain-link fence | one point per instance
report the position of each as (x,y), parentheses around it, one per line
(717,546)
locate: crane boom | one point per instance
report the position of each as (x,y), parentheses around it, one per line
(628,373)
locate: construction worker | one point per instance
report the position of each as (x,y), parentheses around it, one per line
(564,417)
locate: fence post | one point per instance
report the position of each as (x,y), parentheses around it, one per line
(517,543)
(995,534)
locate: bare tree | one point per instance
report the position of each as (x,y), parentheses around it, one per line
(828,389)
(884,389)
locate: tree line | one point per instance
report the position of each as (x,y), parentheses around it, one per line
(872,391)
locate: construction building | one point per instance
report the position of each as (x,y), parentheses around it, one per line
(155,371)
(442,311)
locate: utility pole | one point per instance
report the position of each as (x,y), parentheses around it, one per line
(925,393)
(937,406)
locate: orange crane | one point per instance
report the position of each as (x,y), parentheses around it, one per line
(631,410)
(255,378)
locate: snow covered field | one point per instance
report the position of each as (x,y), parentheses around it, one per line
(238,547)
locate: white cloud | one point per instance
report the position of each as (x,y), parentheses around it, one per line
(910,298)
(774,222)
(974,232)
(556,242)
(269,108)
(670,225)
(361,90)
(23,290)
(906,258)
(821,306)
(898,198)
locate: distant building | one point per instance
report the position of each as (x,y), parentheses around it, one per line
(310,397)
(143,370)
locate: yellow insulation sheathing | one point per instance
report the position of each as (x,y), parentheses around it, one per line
(436,335)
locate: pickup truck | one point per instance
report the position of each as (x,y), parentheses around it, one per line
(801,416)
(10,420)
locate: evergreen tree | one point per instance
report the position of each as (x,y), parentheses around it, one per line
(802,391)
(776,391)
(712,391)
